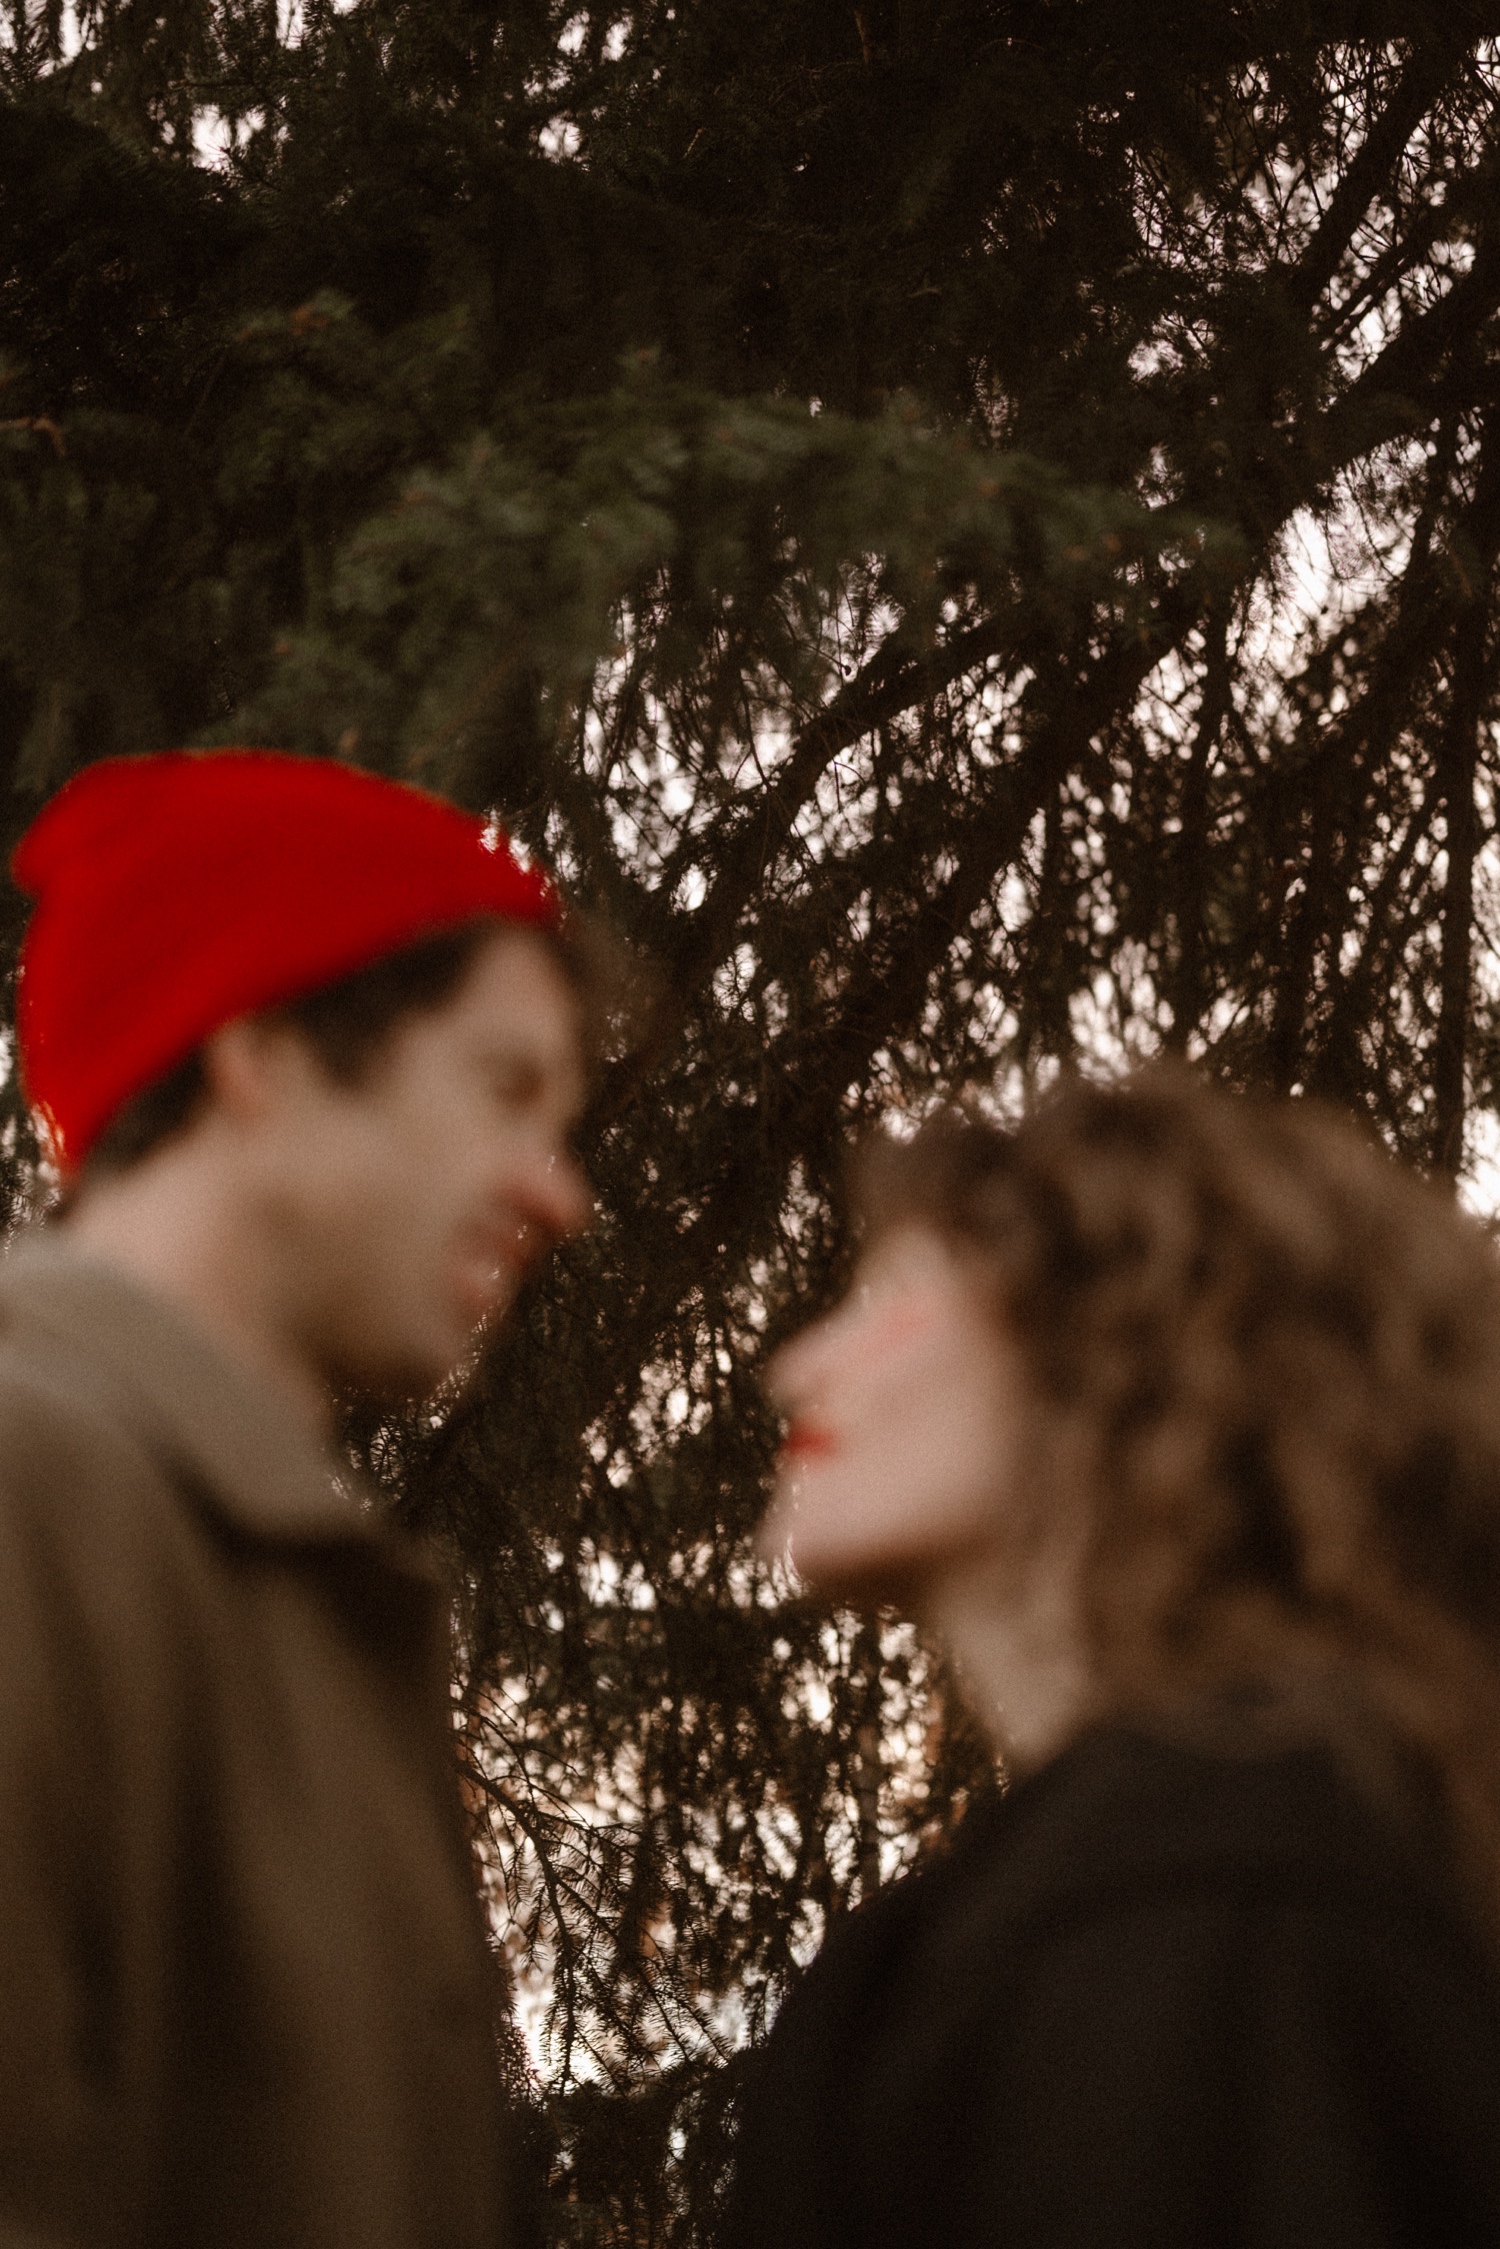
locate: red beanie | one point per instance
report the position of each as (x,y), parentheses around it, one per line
(178,891)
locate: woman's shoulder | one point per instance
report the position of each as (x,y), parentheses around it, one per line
(1150,1817)
(1247,1807)
(1164,1924)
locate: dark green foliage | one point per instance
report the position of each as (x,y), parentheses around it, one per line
(451,408)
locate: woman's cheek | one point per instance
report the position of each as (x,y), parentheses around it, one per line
(918,1475)
(866,1505)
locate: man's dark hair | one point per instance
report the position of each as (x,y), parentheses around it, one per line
(346,1023)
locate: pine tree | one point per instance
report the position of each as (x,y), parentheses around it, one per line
(969,536)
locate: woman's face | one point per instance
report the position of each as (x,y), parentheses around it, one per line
(903,1405)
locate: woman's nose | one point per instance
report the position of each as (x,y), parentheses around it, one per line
(794,1370)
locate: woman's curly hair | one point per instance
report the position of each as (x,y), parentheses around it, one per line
(1265,1366)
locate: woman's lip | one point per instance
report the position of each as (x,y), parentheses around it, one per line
(806,1440)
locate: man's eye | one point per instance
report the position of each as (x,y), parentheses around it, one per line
(515,1088)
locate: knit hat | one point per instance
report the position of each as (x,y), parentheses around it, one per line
(177,891)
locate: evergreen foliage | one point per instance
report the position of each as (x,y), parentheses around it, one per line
(969,534)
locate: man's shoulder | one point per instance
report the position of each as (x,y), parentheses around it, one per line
(135,1365)
(65,1447)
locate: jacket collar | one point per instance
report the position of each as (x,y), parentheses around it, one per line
(178,1391)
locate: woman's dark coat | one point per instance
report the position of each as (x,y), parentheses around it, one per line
(1156,1996)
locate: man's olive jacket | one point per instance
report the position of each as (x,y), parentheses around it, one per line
(243,1989)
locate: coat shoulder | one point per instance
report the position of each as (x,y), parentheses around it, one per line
(1150,1970)
(72,1470)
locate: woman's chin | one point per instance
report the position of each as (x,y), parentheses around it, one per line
(838,1570)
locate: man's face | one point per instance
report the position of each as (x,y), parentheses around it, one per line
(407,1208)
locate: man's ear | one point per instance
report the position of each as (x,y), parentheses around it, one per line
(254,1066)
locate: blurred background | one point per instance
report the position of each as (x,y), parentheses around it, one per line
(967,533)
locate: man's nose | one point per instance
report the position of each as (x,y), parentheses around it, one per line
(554,1197)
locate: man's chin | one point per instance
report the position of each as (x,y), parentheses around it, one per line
(438,1363)
(410,1377)
(480,1301)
